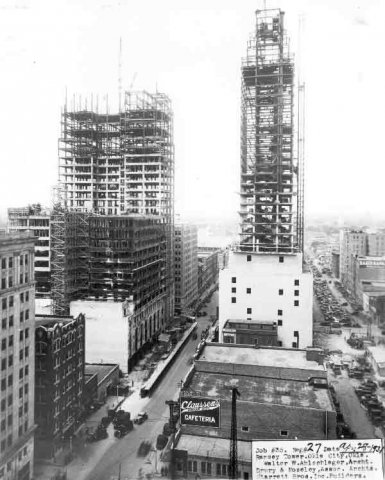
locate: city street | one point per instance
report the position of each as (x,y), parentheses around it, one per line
(114,455)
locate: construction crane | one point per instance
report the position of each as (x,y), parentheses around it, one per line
(233,463)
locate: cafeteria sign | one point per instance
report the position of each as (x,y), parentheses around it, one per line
(201,412)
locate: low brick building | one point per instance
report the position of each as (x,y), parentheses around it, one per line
(107,375)
(277,401)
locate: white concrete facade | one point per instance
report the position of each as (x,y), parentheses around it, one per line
(117,331)
(268,288)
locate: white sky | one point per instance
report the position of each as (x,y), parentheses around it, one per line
(191,50)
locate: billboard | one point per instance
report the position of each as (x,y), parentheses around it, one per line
(198,411)
(318,459)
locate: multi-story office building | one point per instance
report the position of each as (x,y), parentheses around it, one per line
(352,243)
(265,282)
(208,267)
(375,242)
(38,220)
(17,303)
(186,266)
(59,380)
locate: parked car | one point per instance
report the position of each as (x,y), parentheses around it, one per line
(161,442)
(141,418)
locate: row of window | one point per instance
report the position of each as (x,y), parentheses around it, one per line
(24,334)
(234,300)
(9,464)
(296,281)
(8,442)
(23,353)
(9,263)
(221,469)
(24,278)
(23,316)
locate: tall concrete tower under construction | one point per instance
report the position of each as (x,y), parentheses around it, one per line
(265,293)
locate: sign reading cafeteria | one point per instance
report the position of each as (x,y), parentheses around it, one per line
(203,412)
(319,459)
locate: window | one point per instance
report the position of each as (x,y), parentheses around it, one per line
(10,418)
(3,445)
(281,259)
(280,291)
(279,343)
(296,293)
(21,260)
(249,310)
(284,433)
(21,373)
(26,259)
(294,344)
(3,263)
(10,322)
(245,475)
(233,279)
(2,425)
(11,301)
(10,380)
(296,334)
(249,258)
(21,354)
(21,278)
(26,370)
(280,323)
(21,317)
(3,363)
(27,296)
(26,352)
(26,332)
(234,290)
(10,282)
(3,405)
(233,300)
(3,323)
(296,283)
(224,470)
(296,303)
(21,392)
(10,361)
(10,262)
(27,314)
(10,341)
(4,344)
(248,290)
(21,297)
(21,335)
(4,303)
(245,429)
(26,388)
(3,283)
(194,466)
(203,467)
(218,470)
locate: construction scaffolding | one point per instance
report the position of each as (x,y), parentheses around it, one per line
(117,178)
(271,216)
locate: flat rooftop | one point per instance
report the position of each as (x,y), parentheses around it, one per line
(102,370)
(378,353)
(288,393)
(267,357)
(218,447)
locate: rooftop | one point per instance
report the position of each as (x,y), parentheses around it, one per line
(217,447)
(378,353)
(51,320)
(288,393)
(268,356)
(102,370)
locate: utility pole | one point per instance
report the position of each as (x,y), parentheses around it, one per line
(233,464)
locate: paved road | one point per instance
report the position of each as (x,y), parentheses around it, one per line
(123,452)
